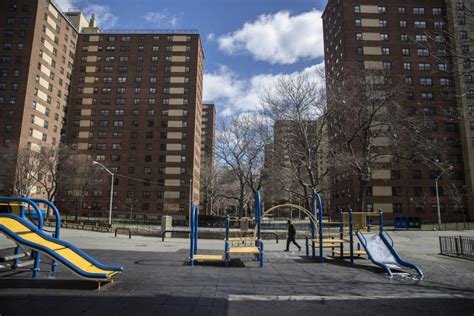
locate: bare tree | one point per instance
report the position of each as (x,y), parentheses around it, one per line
(77,178)
(364,119)
(209,186)
(297,108)
(240,147)
(23,168)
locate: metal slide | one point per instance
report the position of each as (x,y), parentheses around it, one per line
(379,247)
(27,235)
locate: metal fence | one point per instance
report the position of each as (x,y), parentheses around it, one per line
(460,246)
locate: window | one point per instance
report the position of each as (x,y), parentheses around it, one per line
(383,23)
(407,66)
(463,35)
(396,191)
(387,65)
(118,123)
(357,9)
(445,82)
(429,111)
(408,81)
(358,23)
(427,96)
(418,10)
(424,67)
(385,51)
(420,24)
(443,67)
(468,79)
(426,81)
(423,52)
(405,52)
(358,36)
(121,79)
(382,9)
(384,36)
(403,23)
(403,38)
(421,38)
(437,11)
(402,10)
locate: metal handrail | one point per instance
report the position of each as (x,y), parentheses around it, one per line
(385,234)
(163,234)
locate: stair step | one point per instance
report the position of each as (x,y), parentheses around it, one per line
(13,257)
(26,263)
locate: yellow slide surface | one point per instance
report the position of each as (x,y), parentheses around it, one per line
(24,234)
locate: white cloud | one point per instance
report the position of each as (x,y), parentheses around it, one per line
(278,38)
(65,5)
(103,14)
(232,94)
(164,19)
(211,36)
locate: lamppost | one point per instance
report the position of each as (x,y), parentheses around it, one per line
(111,189)
(437,195)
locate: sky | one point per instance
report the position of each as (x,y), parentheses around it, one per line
(248,44)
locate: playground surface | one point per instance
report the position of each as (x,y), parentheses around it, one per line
(157,281)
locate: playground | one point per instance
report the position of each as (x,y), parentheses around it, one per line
(152,277)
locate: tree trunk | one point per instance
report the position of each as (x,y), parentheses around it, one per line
(362,193)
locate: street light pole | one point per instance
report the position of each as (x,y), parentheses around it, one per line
(111,189)
(437,195)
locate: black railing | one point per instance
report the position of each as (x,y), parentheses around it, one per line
(459,246)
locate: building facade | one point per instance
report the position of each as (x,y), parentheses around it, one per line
(398,35)
(36,65)
(207,157)
(136,108)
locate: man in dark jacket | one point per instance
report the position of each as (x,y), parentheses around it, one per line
(291,237)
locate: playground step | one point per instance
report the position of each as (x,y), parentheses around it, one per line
(208,258)
(347,252)
(244,250)
(325,245)
(338,241)
(13,257)
(242,239)
(26,263)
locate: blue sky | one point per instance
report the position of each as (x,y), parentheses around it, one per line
(248,44)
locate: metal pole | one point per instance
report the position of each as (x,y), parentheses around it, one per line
(190,201)
(111,198)
(437,204)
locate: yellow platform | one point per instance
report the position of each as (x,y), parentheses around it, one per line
(244,250)
(242,239)
(208,257)
(347,252)
(333,241)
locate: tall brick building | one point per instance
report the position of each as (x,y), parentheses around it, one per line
(136,108)
(397,35)
(36,64)
(133,101)
(207,155)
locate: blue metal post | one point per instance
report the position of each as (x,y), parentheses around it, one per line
(258,213)
(18,248)
(191,239)
(54,264)
(381,219)
(320,228)
(227,228)
(351,237)
(196,227)
(307,246)
(341,232)
(261,253)
(313,225)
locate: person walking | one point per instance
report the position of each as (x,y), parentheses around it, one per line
(291,237)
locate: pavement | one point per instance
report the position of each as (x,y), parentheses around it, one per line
(157,281)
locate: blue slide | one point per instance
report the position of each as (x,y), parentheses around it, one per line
(379,247)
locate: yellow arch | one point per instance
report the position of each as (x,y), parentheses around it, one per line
(304,210)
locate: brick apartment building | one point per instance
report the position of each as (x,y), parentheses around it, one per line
(38,45)
(133,100)
(136,108)
(370,34)
(207,154)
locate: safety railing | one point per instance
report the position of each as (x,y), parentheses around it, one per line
(459,246)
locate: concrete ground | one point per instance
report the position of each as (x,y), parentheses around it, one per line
(157,281)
